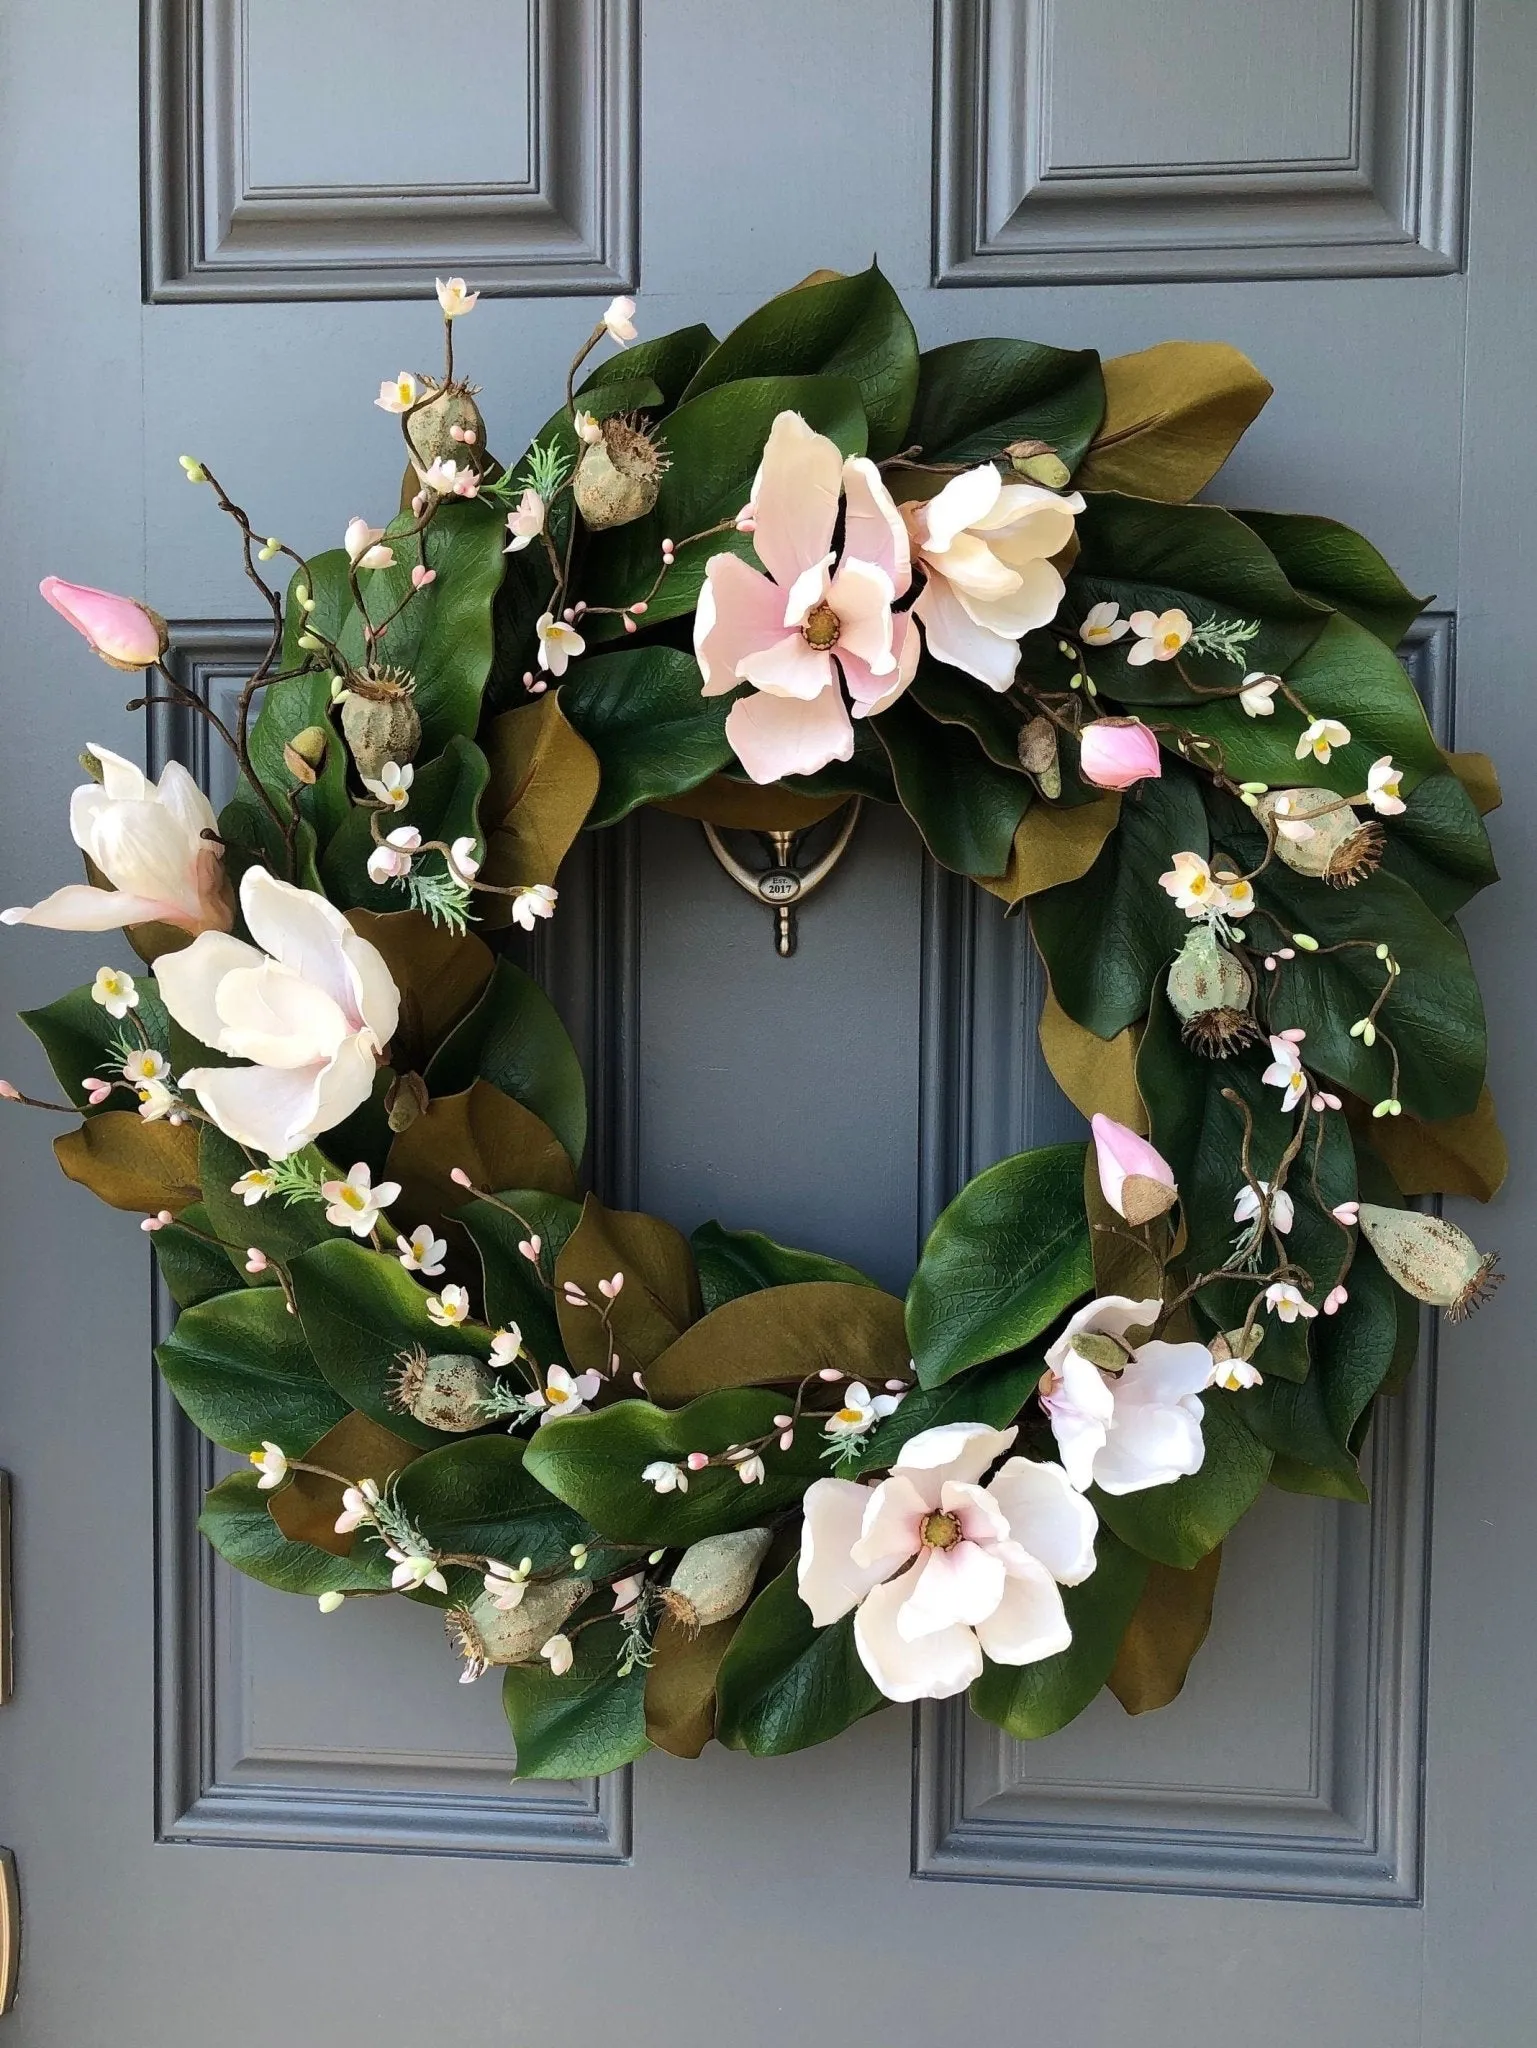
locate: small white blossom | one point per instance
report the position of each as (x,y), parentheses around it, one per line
(525,522)
(559,644)
(255,1186)
(156,1101)
(750,1470)
(1246,1209)
(454,297)
(1257,697)
(535,902)
(1321,738)
(1102,624)
(451,479)
(619,319)
(463,858)
(392,785)
(559,1655)
(1194,888)
(271,1463)
(358,1504)
(588,429)
(1383,788)
(145,1065)
(449,1308)
(507,1347)
(666,1477)
(397,394)
(1160,636)
(413,1570)
(1285,1071)
(365,546)
(392,861)
(422,1252)
(1287,1302)
(115,991)
(506,1584)
(355,1202)
(861,1410)
(1233,1375)
(564,1393)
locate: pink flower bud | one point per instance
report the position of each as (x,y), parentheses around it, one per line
(459,1177)
(255,1259)
(1113,753)
(9,1092)
(1348,1213)
(1137,1181)
(96,1090)
(787,1441)
(829,1372)
(1336,1300)
(696,1461)
(125,634)
(421,576)
(529,1248)
(629,624)
(783,1421)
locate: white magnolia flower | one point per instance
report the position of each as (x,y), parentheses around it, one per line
(463,858)
(1384,788)
(255,1186)
(506,1584)
(861,1410)
(414,1569)
(391,862)
(525,522)
(450,1308)
(271,1463)
(1130,1429)
(364,546)
(355,1202)
(1195,890)
(145,1065)
(451,479)
(559,644)
(115,990)
(619,319)
(1258,694)
(392,785)
(148,841)
(666,1477)
(564,1393)
(1285,1071)
(1246,1209)
(1321,738)
(156,1101)
(1102,624)
(454,297)
(559,1655)
(311,1005)
(397,394)
(537,901)
(1160,636)
(940,1569)
(986,549)
(588,428)
(358,1504)
(1288,1302)
(421,1252)
(507,1347)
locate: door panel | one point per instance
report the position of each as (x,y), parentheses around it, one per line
(1252,1864)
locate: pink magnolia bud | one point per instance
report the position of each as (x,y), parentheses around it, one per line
(1113,753)
(1137,1181)
(125,634)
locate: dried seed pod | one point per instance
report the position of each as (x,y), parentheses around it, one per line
(446,1392)
(618,476)
(1431,1259)
(1211,991)
(1038,755)
(379,719)
(483,1634)
(714,1578)
(1318,834)
(405,1101)
(430,428)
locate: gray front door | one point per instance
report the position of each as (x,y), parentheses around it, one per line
(236,1822)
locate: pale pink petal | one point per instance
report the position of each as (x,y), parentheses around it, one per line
(873,530)
(268,1014)
(1047,1517)
(738,612)
(1029,521)
(893,1523)
(861,596)
(963,1584)
(935,1668)
(792,667)
(961,1451)
(954,637)
(189,982)
(872,694)
(829,1580)
(1034,603)
(122,780)
(1165,1372)
(304,932)
(973,570)
(271,1109)
(807,591)
(964,501)
(795,502)
(980,1517)
(776,736)
(1029,1622)
(77,908)
(378,997)
(1149,1447)
(1119,1152)
(140,847)
(1113,1314)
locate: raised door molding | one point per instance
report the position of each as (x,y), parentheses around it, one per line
(249,168)
(1314,138)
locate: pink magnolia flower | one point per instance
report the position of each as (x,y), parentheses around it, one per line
(793,632)
(1113,753)
(125,634)
(1137,1180)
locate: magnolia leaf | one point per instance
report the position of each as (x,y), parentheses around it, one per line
(736,1262)
(786,1334)
(658,1300)
(785,1684)
(544,781)
(993,1394)
(1463,1155)
(193,1269)
(1097,1075)
(655,734)
(747,807)
(80,1039)
(1327,560)
(1053,844)
(975,397)
(239,1366)
(964,804)
(1479,777)
(514,1039)
(954,699)
(274,1225)
(670,361)
(236,1522)
(1173,415)
(131,1164)
(588,1722)
(1169,1625)
(482,1133)
(1002,1263)
(1030,1700)
(439,972)
(1180,1523)
(475,1496)
(308,1507)
(680,1687)
(1439,845)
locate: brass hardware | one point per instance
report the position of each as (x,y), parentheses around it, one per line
(782,885)
(7,1621)
(10,1930)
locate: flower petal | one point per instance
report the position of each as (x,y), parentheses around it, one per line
(965,501)
(78,908)
(189,982)
(795,498)
(963,1584)
(956,1450)
(1047,1517)
(934,1668)
(954,637)
(738,613)
(829,1580)
(893,1523)
(271,1109)
(1029,1622)
(789,667)
(873,529)
(775,736)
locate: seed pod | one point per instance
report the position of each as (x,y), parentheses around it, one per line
(405,1101)
(446,1392)
(1038,755)
(1431,1259)
(305,754)
(715,1577)
(429,429)
(1211,991)
(1318,834)
(619,476)
(1039,463)
(483,1635)
(379,719)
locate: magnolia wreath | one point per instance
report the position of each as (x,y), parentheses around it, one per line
(681,1487)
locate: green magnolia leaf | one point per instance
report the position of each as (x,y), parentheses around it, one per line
(1106,937)
(591,1721)
(79,1038)
(236,1522)
(975,397)
(716,443)
(594,1463)
(361,1311)
(1328,561)
(1439,846)
(654,733)
(964,804)
(274,1225)
(954,699)
(785,1334)
(1002,1263)
(444,804)
(866,773)
(785,1684)
(1029,1700)
(670,361)
(1181,1523)
(732,1263)
(993,1394)
(658,1300)
(475,1496)
(240,1367)
(514,1039)
(854,327)
(194,1270)
(515,1291)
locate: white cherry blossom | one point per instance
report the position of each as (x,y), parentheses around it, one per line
(1285,1069)
(392,785)
(1384,788)
(1258,695)
(272,1463)
(422,1252)
(559,643)
(1160,636)
(1250,1201)
(1102,624)
(450,1308)
(355,1202)
(1321,738)
(564,1393)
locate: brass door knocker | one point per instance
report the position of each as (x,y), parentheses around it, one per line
(782,885)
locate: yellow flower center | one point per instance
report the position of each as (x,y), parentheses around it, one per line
(353,1199)
(555,1395)
(940,1532)
(822,627)
(1171,643)
(849,1415)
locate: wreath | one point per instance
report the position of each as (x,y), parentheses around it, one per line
(681,1487)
